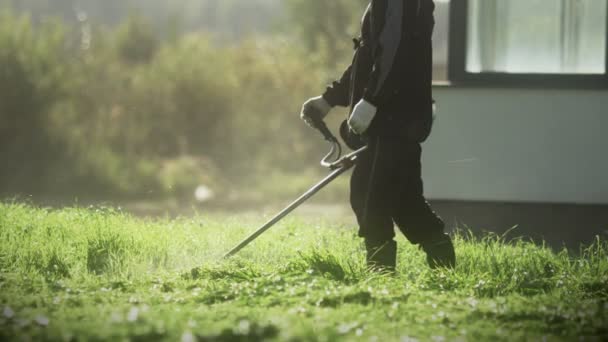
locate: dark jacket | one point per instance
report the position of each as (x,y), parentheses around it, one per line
(392,65)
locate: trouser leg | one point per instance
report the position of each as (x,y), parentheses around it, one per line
(410,211)
(369,194)
(386,187)
(414,216)
(369,202)
(381,255)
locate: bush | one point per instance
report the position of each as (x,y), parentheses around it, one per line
(32,80)
(131,115)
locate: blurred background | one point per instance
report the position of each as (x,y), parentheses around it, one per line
(198,101)
(154,98)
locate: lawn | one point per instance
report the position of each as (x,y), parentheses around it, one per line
(101,274)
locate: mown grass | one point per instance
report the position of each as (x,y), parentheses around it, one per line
(101,274)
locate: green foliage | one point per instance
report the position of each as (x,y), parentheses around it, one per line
(99,274)
(136,41)
(218,16)
(105,253)
(326,25)
(31,82)
(90,111)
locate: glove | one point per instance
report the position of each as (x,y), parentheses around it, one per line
(362,117)
(315,106)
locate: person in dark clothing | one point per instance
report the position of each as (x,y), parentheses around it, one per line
(388,89)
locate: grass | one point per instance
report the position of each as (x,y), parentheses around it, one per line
(101,274)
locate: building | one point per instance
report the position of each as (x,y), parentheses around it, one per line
(520,136)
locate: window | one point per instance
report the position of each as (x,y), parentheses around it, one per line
(544,42)
(440,40)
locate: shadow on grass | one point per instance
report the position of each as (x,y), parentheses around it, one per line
(106,253)
(331,267)
(590,322)
(360,297)
(243,330)
(238,272)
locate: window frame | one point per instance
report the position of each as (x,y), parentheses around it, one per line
(457,58)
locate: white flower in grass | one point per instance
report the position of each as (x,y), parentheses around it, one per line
(8,312)
(203,193)
(42,320)
(133,314)
(188,337)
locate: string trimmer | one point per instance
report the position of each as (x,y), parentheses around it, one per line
(334,161)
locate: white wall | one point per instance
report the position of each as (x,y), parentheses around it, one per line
(518,145)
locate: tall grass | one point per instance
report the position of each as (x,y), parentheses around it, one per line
(103,241)
(143,278)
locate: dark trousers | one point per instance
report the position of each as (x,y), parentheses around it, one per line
(386,187)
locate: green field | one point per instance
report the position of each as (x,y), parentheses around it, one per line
(101,274)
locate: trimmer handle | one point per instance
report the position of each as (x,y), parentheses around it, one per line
(318,123)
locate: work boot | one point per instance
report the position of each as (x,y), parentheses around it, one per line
(381,255)
(440,252)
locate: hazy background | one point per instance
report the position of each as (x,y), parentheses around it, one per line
(152,98)
(147,101)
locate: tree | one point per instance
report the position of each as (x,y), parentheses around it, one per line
(326,25)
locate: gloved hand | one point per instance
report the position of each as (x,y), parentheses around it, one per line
(362,117)
(314,106)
